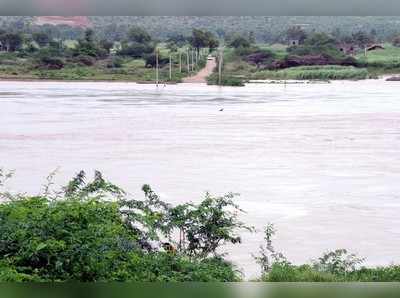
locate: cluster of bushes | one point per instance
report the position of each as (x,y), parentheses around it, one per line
(329,72)
(91,231)
(334,266)
(225,80)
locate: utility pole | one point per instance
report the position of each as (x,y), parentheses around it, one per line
(157,67)
(180,62)
(220,61)
(187,60)
(192,60)
(170,67)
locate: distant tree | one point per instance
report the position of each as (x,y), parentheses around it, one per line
(138,34)
(150,60)
(106,45)
(220,32)
(178,39)
(138,43)
(89,35)
(41,38)
(88,46)
(317,44)
(136,50)
(239,42)
(213,44)
(396,41)
(203,39)
(172,47)
(337,34)
(362,39)
(320,40)
(11,41)
(251,38)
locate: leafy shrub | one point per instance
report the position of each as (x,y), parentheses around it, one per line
(51,63)
(225,81)
(85,60)
(136,49)
(150,60)
(115,62)
(90,231)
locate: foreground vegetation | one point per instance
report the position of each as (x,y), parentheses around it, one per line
(91,230)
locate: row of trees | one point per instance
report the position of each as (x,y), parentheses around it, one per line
(359,38)
(266,29)
(52,53)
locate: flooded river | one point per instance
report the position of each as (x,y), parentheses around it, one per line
(321,161)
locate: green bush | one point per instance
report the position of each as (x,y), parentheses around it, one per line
(225,81)
(90,233)
(84,60)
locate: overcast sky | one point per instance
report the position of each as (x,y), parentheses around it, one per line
(201,7)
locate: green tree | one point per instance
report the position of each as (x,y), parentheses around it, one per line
(362,39)
(138,34)
(11,41)
(106,45)
(239,42)
(88,46)
(137,44)
(203,39)
(42,39)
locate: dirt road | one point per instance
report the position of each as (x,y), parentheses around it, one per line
(201,76)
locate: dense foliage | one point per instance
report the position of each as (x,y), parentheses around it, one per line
(91,231)
(265,28)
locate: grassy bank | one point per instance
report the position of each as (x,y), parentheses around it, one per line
(328,72)
(127,69)
(381,62)
(237,69)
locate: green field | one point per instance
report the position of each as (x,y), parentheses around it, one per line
(381,62)
(328,72)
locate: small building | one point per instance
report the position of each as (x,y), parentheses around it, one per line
(375,47)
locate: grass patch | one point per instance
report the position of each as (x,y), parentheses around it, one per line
(225,81)
(306,273)
(328,72)
(381,61)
